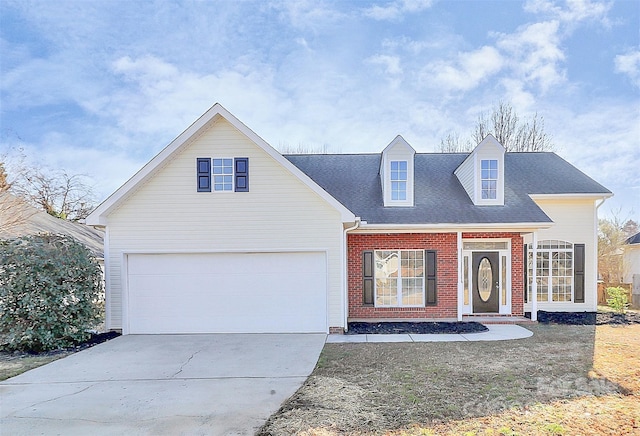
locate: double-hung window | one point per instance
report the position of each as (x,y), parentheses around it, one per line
(223,174)
(489,178)
(399,278)
(554,271)
(398,180)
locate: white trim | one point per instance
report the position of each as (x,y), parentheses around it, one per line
(399,280)
(449,227)
(107,281)
(595,253)
(565,196)
(100,215)
(503,309)
(534,277)
(397,150)
(233,176)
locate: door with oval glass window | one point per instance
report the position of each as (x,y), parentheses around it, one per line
(486,276)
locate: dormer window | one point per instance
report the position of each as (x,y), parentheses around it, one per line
(489,179)
(398,180)
(397,173)
(481,174)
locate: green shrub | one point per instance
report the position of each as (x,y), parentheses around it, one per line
(618,299)
(49,291)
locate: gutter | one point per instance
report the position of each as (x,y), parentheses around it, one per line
(345,273)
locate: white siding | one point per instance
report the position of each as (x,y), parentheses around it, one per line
(278,213)
(575,222)
(465,173)
(631,262)
(398,150)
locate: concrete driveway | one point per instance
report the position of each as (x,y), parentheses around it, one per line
(161,385)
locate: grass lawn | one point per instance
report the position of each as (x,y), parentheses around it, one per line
(12,364)
(564,380)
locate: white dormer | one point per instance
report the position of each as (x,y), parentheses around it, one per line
(397,173)
(482,173)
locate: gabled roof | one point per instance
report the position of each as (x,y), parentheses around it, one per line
(635,239)
(100,214)
(22,219)
(353,180)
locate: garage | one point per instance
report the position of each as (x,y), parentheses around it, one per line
(283,292)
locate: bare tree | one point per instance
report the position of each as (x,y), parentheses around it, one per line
(301,148)
(4,183)
(453,144)
(56,192)
(612,234)
(505,125)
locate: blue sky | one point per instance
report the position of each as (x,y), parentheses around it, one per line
(99,87)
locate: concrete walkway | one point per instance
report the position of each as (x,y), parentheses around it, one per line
(497,332)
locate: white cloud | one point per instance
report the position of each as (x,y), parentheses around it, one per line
(466,72)
(575,11)
(396,9)
(534,54)
(629,64)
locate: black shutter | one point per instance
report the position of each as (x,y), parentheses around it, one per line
(241,172)
(367,278)
(526,272)
(203,171)
(431,283)
(578,273)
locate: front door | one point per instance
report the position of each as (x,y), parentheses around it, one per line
(486,276)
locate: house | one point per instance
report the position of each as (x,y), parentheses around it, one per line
(631,262)
(631,258)
(221,233)
(18,218)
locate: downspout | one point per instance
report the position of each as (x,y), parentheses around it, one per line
(345,273)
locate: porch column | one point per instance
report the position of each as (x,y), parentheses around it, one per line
(534,278)
(460,278)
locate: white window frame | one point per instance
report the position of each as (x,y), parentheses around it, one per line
(399,279)
(489,179)
(398,181)
(549,247)
(213,175)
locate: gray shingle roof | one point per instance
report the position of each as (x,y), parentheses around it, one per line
(439,197)
(635,239)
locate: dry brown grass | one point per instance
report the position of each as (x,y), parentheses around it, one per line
(14,364)
(563,380)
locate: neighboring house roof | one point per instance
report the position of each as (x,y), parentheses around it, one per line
(99,215)
(22,219)
(635,239)
(354,180)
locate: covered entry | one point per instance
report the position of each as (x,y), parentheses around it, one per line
(486,276)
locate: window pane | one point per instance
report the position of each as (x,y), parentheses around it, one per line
(386,292)
(412,293)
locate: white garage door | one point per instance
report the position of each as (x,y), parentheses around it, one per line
(226,293)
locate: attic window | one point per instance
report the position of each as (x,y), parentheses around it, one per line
(398,180)
(489,178)
(223,174)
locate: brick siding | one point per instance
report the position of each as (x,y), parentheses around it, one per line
(447,278)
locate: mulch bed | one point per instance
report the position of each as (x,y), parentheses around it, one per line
(588,318)
(95,339)
(359,328)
